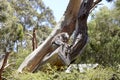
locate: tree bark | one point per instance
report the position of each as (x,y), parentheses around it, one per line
(67,24)
(34,39)
(81,35)
(4,64)
(56,58)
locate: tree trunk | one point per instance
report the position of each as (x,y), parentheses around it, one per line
(34,40)
(75,18)
(67,24)
(79,42)
(81,35)
(4,63)
(56,58)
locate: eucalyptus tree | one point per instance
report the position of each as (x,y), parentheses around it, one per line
(33,15)
(104,43)
(74,19)
(18,17)
(10,30)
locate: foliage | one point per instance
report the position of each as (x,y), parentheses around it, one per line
(104,42)
(42,34)
(34,14)
(20,17)
(10,29)
(99,73)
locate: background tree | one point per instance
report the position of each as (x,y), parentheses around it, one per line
(104,44)
(10,31)
(33,15)
(20,17)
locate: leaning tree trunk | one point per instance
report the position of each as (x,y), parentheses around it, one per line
(59,57)
(75,18)
(67,24)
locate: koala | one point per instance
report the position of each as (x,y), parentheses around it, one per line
(60,39)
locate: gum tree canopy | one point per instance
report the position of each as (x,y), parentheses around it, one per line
(73,20)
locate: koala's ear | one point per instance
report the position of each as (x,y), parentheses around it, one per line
(67,35)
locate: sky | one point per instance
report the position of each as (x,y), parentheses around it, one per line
(59,6)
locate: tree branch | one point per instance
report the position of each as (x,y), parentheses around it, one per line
(4,64)
(94,4)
